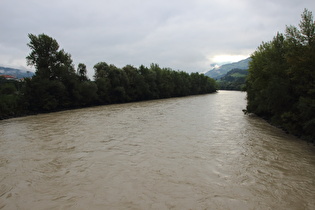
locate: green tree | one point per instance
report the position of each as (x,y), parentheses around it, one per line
(150,86)
(81,72)
(301,59)
(101,70)
(136,86)
(55,84)
(118,80)
(50,62)
(268,92)
(280,84)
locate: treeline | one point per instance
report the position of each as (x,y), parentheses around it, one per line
(57,85)
(281,81)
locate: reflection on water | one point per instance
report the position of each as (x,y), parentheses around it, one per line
(196,152)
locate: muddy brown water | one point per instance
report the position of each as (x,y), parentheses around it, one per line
(198,152)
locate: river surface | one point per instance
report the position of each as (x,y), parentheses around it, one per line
(198,152)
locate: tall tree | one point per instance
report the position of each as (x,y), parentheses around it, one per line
(81,72)
(55,84)
(301,58)
(50,62)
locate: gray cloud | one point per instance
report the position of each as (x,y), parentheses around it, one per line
(181,34)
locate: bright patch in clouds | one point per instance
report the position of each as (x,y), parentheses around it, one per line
(221,59)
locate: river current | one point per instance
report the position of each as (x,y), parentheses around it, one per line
(197,152)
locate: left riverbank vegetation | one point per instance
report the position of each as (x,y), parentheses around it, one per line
(58,85)
(281,81)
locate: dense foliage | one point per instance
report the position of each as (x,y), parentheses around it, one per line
(281,81)
(10,98)
(56,84)
(233,80)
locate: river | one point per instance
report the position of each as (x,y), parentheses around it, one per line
(197,152)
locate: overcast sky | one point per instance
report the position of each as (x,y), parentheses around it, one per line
(187,35)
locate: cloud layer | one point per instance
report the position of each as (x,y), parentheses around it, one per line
(181,34)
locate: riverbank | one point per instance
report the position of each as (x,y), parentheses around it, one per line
(129,84)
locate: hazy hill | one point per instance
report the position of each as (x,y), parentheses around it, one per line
(18,73)
(217,73)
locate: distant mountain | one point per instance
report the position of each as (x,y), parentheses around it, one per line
(233,80)
(219,72)
(17,73)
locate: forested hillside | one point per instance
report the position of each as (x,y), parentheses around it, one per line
(57,85)
(281,81)
(233,80)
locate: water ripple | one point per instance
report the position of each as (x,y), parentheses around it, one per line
(196,152)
